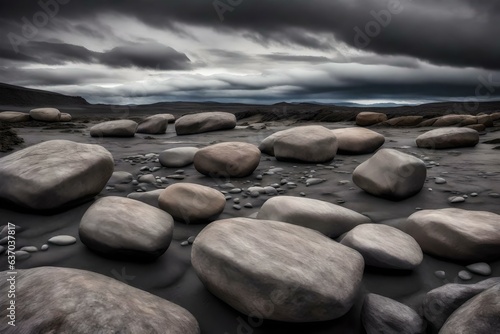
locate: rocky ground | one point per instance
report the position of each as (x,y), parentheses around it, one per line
(465,178)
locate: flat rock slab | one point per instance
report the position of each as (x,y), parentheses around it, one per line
(384,315)
(456,234)
(391,174)
(276,270)
(68,173)
(232,159)
(205,122)
(192,203)
(119,128)
(64,300)
(479,315)
(124,228)
(46,114)
(358,140)
(14,116)
(448,138)
(327,218)
(177,157)
(384,246)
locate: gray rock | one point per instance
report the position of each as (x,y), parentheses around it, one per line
(440,274)
(480,268)
(441,302)
(479,315)
(384,246)
(32,183)
(120,177)
(62,240)
(46,114)
(370,118)
(231,159)
(327,218)
(456,234)
(384,315)
(205,122)
(254,264)
(448,138)
(149,178)
(178,157)
(14,116)
(44,247)
(29,249)
(124,228)
(439,180)
(391,174)
(62,300)
(153,125)
(464,275)
(358,140)
(192,203)
(65,117)
(119,128)
(314,181)
(148,197)
(456,199)
(21,255)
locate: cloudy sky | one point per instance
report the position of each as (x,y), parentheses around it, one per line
(258,51)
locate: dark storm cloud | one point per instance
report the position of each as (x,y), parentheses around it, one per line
(449,32)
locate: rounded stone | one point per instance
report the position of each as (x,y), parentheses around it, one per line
(62,240)
(370,118)
(119,128)
(448,138)
(45,114)
(153,125)
(178,157)
(358,140)
(205,122)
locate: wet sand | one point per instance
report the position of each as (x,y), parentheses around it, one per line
(466,170)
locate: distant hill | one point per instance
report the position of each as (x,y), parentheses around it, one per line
(17,96)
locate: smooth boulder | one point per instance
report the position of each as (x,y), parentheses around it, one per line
(14,116)
(368,118)
(45,114)
(123,228)
(330,219)
(177,157)
(64,300)
(384,246)
(68,174)
(119,128)
(479,315)
(448,138)
(384,315)
(391,174)
(205,122)
(153,125)
(456,234)
(232,159)
(441,302)
(358,140)
(192,203)
(279,271)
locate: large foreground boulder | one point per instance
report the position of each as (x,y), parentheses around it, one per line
(14,116)
(358,140)
(54,174)
(384,315)
(384,246)
(368,118)
(441,302)
(153,125)
(205,122)
(311,143)
(274,270)
(124,228)
(46,114)
(327,218)
(480,315)
(177,157)
(64,300)
(119,128)
(232,159)
(391,174)
(448,138)
(192,203)
(457,234)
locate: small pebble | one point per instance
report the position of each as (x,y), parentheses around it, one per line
(480,268)
(259,177)
(44,247)
(473,195)
(456,199)
(439,180)
(144,168)
(440,274)
(237,207)
(236,200)
(235,191)
(465,275)
(494,195)
(340,201)
(302,194)
(314,181)
(248,205)
(21,255)
(228,197)
(179,171)
(176,177)
(191,239)
(29,249)
(184,243)
(62,240)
